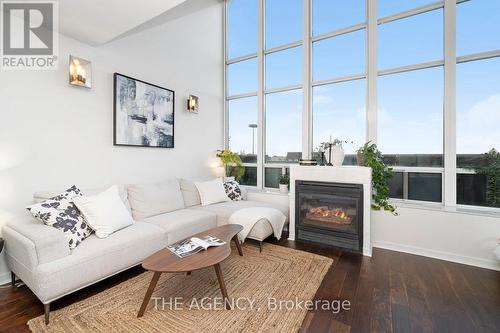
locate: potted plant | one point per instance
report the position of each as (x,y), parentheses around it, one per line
(369,155)
(284,181)
(233,165)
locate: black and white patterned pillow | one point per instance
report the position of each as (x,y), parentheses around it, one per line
(233,190)
(61,213)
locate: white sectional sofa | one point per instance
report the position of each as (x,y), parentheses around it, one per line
(39,255)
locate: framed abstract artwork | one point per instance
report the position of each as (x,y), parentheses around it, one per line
(143,113)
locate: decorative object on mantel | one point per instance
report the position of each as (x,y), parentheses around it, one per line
(370,156)
(232,164)
(80,72)
(306,162)
(143,113)
(335,151)
(284,181)
(192,104)
(321,152)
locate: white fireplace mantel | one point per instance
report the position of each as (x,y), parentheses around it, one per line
(343,174)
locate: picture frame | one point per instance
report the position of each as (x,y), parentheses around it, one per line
(143,113)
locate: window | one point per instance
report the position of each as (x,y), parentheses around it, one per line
(242,77)
(425,186)
(283,22)
(478,103)
(273,86)
(241,26)
(410,118)
(284,68)
(411,40)
(249,177)
(241,84)
(339,56)
(478,127)
(242,139)
(272,176)
(283,127)
(339,112)
(478,28)
(331,15)
(391,7)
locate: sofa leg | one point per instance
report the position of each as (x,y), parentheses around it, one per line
(13,279)
(260,247)
(46,308)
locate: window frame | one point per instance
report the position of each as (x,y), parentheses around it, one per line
(449,63)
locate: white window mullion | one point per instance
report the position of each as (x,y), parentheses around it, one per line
(307,140)
(371,65)
(224,74)
(450,66)
(261,103)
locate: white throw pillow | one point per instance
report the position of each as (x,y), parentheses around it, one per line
(104,212)
(212,192)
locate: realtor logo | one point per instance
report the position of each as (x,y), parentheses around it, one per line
(29,35)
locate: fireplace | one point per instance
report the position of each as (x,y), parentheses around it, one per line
(329,213)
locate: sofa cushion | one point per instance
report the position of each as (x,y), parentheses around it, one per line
(189,193)
(152,199)
(224,210)
(96,259)
(183,223)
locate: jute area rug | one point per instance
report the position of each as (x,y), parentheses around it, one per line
(263,288)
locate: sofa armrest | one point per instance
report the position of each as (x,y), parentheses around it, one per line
(33,243)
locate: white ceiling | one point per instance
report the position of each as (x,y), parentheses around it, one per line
(97,22)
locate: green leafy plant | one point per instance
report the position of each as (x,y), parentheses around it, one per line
(284,180)
(491,170)
(369,155)
(232,164)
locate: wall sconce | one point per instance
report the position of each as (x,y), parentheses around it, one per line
(192,104)
(80,72)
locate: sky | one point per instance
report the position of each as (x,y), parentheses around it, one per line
(410,104)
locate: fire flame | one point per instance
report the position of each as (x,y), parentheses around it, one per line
(337,212)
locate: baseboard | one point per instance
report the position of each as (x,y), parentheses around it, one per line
(478,262)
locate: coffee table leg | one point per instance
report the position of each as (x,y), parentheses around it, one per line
(238,245)
(222,285)
(147,297)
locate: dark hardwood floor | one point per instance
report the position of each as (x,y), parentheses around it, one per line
(390,292)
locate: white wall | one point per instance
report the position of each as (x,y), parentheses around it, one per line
(53,135)
(459,237)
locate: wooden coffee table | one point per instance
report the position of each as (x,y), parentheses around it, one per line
(164,261)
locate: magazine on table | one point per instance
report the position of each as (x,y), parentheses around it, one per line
(189,246)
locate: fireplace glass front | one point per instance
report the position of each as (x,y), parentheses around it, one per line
(330,213)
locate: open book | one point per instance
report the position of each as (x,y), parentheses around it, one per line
(194,245)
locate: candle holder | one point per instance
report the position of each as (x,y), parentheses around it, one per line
(322,162)
(330,145)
